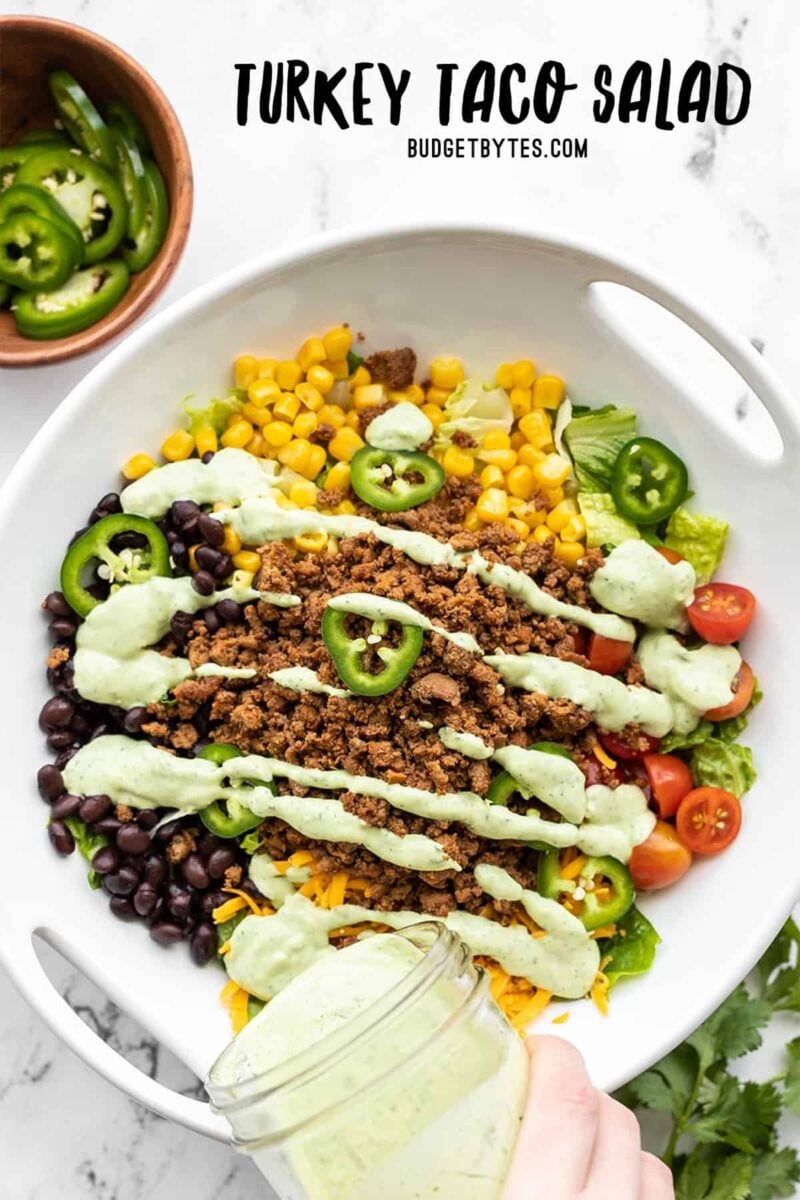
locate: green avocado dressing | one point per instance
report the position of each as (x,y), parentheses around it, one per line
(403,427)
(638,582)
(382,608)
(231,476)
(694,681)
(303,679)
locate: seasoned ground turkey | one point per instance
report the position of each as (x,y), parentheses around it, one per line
(393,736)
(395,368)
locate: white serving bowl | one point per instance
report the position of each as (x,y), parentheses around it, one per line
(486,295)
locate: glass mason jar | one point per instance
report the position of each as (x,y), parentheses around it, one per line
(420,1094)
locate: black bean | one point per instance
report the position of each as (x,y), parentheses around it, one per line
(61,837)
(133,840)
(99,731)
(65,756)
(121,882)
(181,625)
(207,457)
(207,557)
(194,872)
(106,507)
(108,825)
(219,862)
(65,806)
(49,782)
(105,860)
(180,905)
(229,611)
(134,719)
(179,550)
(223,567)
(128,540)
(166,933)
(147,818)
(63,628)
(94,807)
(248,886)
(203,583)
(167,832)
(203,945)
(56,713)
(60,739)
(121,907)
(211,900)
(184,512)
(210,530)
(135,862)
(155,870)
(208,843)
(56,605)
(144,899)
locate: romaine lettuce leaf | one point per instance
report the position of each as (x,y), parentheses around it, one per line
(595,440)
(87,843)
(474,409)
(215,413)
(700,539)
(633,947)
(604,525)
(727,765)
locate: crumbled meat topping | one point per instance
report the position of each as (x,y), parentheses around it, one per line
(395,368)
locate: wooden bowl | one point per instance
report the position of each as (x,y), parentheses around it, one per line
(31,47)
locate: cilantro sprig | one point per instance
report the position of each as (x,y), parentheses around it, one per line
(723,1140)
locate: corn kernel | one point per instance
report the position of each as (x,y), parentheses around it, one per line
(193,557)
(178,446)
(344,444)
(262,392)
(247,560)
(446,372)
(552,471)
(433,413)
(338,477)
(258,446)
(492,504)
(557,518)
(438,396)
(294,455)
(570,553)
(504,459)
(337,342)
(346,508)
(553,496)
(457,462)
(415,394)
(238,434)
(309,396)
(311,543)
(206,440)
(242,579)
(491,477)
(303,493)
(548,391)
(521,402)
(137,466)
(231,543)
(267,368)
(574,530)
(338,367)
(519,527)
(542,534)
(278,433)
(530,514)
(311,353)
(321,378)
(360,377)
(369,396)
(245,370)
(518,440)
(504,376)
(529,456)
(255,415)
(537,428)
(472,522)
(521,482)
(287,408)
(352,420)
(305,424)
(331,414)
(523,373)
(496,439)
(397,397)
(288,374)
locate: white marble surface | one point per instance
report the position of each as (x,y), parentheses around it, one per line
(715,210)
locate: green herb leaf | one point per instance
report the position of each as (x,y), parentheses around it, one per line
(354,361)
(741,1115)
(732,1030)
(633,947)
(775,1174)
(594,441)
(667,1087)
(700,539)
(791,1082)
(726,765)
(251,842)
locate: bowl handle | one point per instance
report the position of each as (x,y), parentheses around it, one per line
(736,350)
(28,973)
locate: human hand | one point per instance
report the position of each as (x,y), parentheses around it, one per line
(576,1143)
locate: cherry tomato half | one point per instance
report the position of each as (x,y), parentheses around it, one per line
(580,640)
(618,748)
(743,685)
(721,612)
(607,655)
(661,860)
(670,779)
(708,820)
(672,556)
